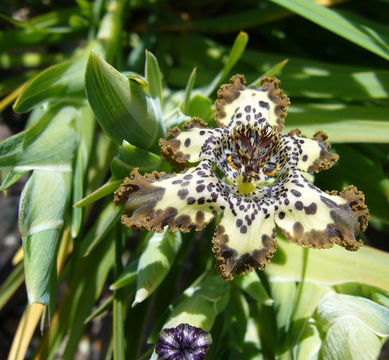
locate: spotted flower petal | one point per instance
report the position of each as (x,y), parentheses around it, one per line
(184,342)
(193,145)
(237,104)
(185,200)
(313,218)
(309,155)
(244,239)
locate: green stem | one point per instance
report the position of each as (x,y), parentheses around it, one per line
(119,309)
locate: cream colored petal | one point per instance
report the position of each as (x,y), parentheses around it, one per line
(309,155)
(244,239)
(238,105)
(183,201)
(313,218)
(193,145)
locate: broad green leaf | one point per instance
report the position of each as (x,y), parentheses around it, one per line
(310,295)
(122,108)
(200,304)
(310,346)
(41,218)
(335,306)
(331,266)
(155,263)
(355,29)
(235,54)
(343,123)
(131,157)
(38,147)
(369,292)
(349,338)
(252,285)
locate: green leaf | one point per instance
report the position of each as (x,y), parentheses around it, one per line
(331,266)
(104,190)
(200,303)
(121,107)
(41,218)
(127,277)
(85,128)
(252,285)
(349,338)
(11,284)
(155,263)
(131,157)
(237,319)
(355,29)
(201,106)
(60,82)
(343,123)
(11,178)
(153,77)
(38,147)
(87,279)
(235,54)
(107,219)
(335,306)
(274,70)
(188,90)
(284,295)
(310,345)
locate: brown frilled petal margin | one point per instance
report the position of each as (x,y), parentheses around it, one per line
(257,187)
(237,104)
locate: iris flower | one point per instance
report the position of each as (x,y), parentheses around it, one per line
(184,342)
(250,172)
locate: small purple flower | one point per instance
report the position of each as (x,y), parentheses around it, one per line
(184,342)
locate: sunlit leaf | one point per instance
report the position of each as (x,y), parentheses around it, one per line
(343,123)
(331,266)
(358,30)
(155,262)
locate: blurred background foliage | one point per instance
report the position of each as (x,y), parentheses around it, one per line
(87,88)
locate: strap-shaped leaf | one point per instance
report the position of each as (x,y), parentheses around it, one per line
(361,32)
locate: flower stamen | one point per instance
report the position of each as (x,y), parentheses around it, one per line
(254,147)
